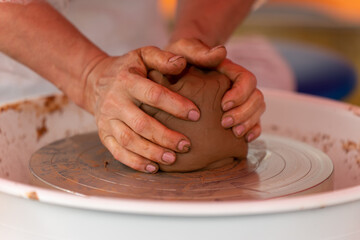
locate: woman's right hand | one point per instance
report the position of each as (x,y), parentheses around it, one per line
(115,89)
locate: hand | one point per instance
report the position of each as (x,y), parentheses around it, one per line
(243,104)
(115,89)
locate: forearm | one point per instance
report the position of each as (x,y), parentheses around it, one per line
(211,21)
(40,38)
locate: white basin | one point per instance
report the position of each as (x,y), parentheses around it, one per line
(30,212)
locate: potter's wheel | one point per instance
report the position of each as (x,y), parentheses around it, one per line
(275,167)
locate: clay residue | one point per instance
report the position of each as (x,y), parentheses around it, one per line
(14,106)
(42,129)
(50,105)
(32,195)
(358,161)
(320,140)
(349,145)
(352,149)
(106,164)
(54,103)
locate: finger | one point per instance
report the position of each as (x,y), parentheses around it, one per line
(126,157)
(244,84)
(158,96)
(159,78)
(164,62)
(198,53)
(243,128)
(244,112)
(254,133)
(151,129)
(131,141)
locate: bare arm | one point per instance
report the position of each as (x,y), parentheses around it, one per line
(211,21)
(40,38)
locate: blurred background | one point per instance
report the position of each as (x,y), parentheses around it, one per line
(319,39)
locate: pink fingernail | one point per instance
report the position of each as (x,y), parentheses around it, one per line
(227,122)
(184,145)
(175,58)
(250,137)
(150,168)
(239,130)
(228,106)
(168,157)
(193,115)
(216,48)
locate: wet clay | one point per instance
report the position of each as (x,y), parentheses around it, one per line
(211,144)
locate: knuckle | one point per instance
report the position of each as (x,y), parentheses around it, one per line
(146,148)
(259,95)
(250,77)
(149,49)
(247,125)
(153,95)
(132,54)
(108,103)
(125,138)
(140,123)
(165,138)
(104,136)
(182,42)
(169,139)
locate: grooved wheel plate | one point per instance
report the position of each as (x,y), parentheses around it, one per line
(275,167)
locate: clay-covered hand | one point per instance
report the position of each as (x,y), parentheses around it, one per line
(212,145)
(116,87)
(243,104)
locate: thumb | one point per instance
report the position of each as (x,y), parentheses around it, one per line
(162,61)
(198,53)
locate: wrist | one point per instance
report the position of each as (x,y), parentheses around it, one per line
(89,78)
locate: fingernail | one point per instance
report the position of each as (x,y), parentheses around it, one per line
(193,115)
(228,105)
(168,157)
(150,168)
(175,58)
(250,137)
(239,130)
(184,145)
(216,48)
(227,122)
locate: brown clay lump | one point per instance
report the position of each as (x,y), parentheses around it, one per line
(212,145)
